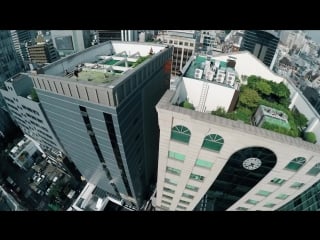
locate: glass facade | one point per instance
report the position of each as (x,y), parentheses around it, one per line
(309,200)
(296,163)
(261,44)
(234,181)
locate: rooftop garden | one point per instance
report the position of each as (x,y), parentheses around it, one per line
(259,91)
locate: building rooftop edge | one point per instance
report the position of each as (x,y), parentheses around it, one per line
(165,103)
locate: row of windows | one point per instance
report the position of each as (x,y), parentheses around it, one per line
(181,157)
(30,110)
(183,134)
(176,171)
(215,142)
(264,193)
(180,43)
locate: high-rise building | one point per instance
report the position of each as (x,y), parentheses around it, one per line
(42,51)
(212,163)
(20,38)
(116,35)
(9,66)
(185,43)
(70,41)
(101,105)
(262,44)
(25,109)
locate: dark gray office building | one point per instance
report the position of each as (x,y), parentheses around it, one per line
(261,43)
(101,104)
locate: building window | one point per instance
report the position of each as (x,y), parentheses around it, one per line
(213,142)
(167,197)
(242,209)
(251,201)
(282,196)
(165,202)
(269,205)
(186,43)
(297,185)
(191,44)
(181,207)
(278,181)
(176,156)
(187,195)
(296,164)
(168,190)
(203,163)
(263,193)
(184,202)
(180,133)
(164,207)
(170,181)
(192,188)
(196,177)
(173,171)
(315,170)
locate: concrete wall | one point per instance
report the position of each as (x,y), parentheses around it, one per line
(217,95)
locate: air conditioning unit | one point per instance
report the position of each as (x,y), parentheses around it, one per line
(209,75)
(220,78)
(198,73)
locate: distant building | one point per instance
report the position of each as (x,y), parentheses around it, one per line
(70,41)
(42,51)
(26,111)
(262,44)
(22,153)
(20,38)
(309,200)
(101,104)
(185,42)
(116,35)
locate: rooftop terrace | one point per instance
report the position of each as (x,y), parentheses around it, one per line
(106,68)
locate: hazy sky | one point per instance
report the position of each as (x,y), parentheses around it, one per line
(314,34)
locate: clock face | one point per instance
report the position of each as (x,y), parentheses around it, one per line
(251,163)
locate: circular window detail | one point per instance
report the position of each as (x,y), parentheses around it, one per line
(251,163)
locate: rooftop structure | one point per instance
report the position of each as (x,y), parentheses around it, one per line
(21,154)
(208,84)
(101,104)
(270,115)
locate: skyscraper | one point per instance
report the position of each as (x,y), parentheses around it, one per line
(20,38)
(262,44)
(185,43)
(212,163)
(42,51)
(101,104)
(70,41)
(116,35)
(25,109)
